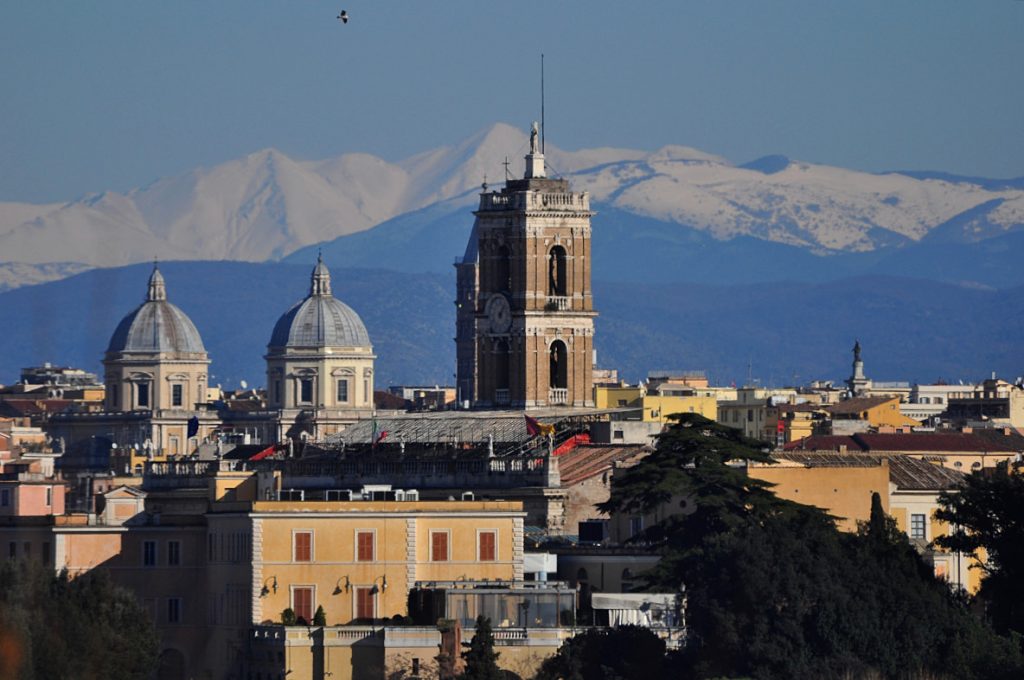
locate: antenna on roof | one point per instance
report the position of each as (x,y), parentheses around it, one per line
(542,149)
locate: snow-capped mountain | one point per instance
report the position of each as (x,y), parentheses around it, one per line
(267,205)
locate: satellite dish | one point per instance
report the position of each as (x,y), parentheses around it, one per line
(244,385)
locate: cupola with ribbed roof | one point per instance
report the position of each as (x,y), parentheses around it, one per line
(155,358)
(319,355)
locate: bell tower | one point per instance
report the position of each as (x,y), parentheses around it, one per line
(525,309)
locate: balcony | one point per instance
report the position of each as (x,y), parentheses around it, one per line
(558,396)
(557,303)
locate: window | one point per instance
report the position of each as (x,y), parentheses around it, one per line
(306,390)
(173,553)
(302,546)
(750,415)
(5,497)
(277,391)
(174,610)
(177,395)
(302,604)
(365,603)
(12,550)
(366,391)
(142,394)
(438,546)
(49,495)
(46,553)
(487,548)
(917,526)
(149,553)
(26,547)
(364,546)
(343,390)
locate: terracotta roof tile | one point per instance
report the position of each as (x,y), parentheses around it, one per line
(589,460)
(915,442)
(908,473)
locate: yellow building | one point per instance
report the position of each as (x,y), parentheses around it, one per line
(861,413)
(655,407)
(842,485)
(617,396)
(214,552)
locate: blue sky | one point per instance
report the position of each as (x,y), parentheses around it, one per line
(113,94)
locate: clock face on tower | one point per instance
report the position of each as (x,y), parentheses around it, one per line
(499,316)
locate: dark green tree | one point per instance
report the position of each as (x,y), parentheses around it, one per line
(480,658)
(319,617)
(989,509)
(60,627)
(774,590)
(626,653)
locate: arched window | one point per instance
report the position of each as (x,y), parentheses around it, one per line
(559,365)
(556,272)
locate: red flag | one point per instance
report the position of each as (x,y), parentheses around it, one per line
(381,436)
(265,453)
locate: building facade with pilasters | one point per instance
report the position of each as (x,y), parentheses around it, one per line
(525,308)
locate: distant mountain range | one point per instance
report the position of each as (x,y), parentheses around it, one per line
(674,214)
(766,270)
(777,333)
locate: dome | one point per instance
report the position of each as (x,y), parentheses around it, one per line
(320,320)
(156,326)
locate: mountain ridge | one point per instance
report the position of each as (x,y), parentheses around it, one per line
(266,205)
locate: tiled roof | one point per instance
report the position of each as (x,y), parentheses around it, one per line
(32,407)
(915,442)
(857,405)
(909,474)
(824,443)
(906,472)
(587,461)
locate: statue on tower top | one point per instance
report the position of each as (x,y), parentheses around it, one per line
(534,132)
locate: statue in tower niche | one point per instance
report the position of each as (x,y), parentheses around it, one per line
(534,133)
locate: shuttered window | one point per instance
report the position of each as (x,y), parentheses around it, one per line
(303,546)
(302,604)
(365,603)
(439,546)
(364,546)
(488,549)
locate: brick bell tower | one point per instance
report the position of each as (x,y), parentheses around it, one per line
(525,309)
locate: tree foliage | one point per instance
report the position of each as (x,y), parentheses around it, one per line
(774,590)
(990,510)
(52,626)
(481,659)
(622,653)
